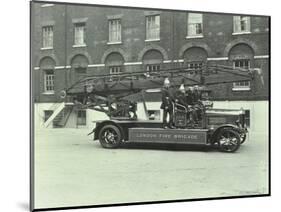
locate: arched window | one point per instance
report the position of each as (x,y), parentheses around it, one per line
(152,60)
(114,62)
(79,65)
(241,56)
(195,57)
(47,65)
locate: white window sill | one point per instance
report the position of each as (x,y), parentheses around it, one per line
(77,46)
(240,33)
(194,36)
(112,43)
(46,48)
(49,93)
(149,40)
(241,89)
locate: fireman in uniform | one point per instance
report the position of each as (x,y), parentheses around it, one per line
(133,109)
(198,107)
(181,96)
(191,98)
(167,104)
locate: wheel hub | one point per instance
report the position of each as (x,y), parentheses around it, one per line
(228,141)
(109,137)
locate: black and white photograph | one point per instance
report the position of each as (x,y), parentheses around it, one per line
(136,105)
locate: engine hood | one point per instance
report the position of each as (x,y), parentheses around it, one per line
(225,112)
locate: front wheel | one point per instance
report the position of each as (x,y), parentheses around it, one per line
(110,136)
(243,137)
(228,140)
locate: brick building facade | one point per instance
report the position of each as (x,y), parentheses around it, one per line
(72,41)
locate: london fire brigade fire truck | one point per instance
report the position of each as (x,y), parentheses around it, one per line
(192,123)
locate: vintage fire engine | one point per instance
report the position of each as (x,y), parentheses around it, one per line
(225,129)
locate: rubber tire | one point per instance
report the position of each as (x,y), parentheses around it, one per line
(243,140)
(236,134)
(110,145)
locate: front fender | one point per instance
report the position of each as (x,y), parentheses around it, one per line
(232,126)
(100,125)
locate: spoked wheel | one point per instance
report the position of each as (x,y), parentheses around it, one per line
(228,140)
(110,136)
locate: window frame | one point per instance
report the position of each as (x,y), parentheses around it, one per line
(50,81)
(76,26)
(119,31)
(47,37)
(114,67)
(237,85)
(148,29)
(237,31)
(188,31)
(197,66)
(152,67)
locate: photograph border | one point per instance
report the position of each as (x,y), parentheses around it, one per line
(31,110)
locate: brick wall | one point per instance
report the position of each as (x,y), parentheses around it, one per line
(217,43)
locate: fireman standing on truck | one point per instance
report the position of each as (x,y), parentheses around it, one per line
(191,99)
(181,96)
(167,104)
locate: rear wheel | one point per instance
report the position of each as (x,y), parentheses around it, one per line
(228,140)
(110,136)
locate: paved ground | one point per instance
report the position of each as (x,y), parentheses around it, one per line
(71,169)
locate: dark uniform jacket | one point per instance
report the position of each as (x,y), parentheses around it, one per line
(181,98)
(189,98)
(167,98)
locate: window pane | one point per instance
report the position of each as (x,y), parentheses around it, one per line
(194,18)
(157,21)
(195,65)
(195,26)
(49,80)
(242,64)
(153,27)
(115,70)
(236,24)
(241,24)
(115,30)
(152,67)
(79,34)
(47,33)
